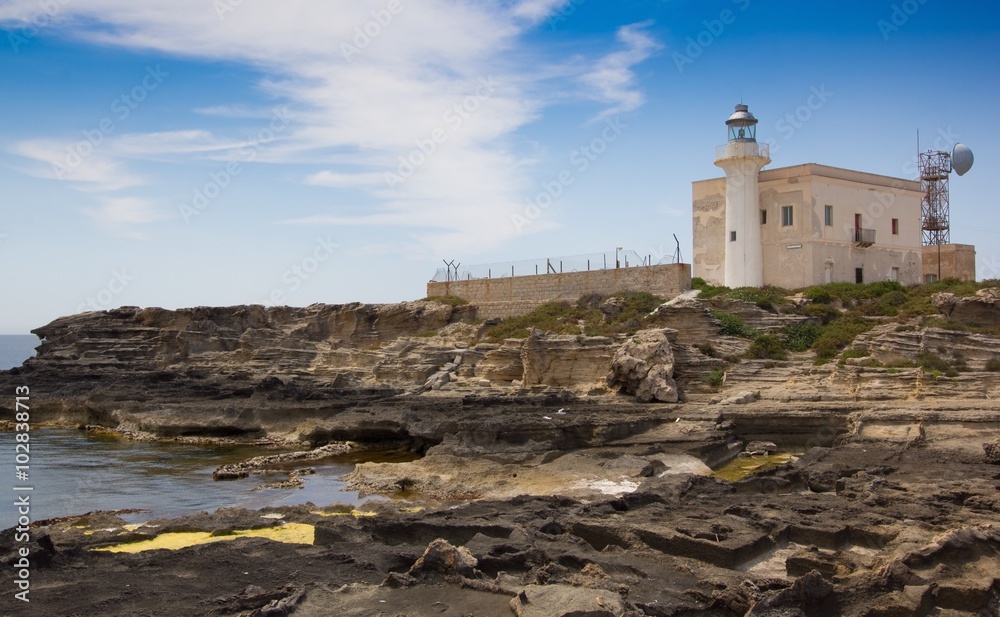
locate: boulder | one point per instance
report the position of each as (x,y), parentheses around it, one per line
(982,309)
(644,367)
(441,557)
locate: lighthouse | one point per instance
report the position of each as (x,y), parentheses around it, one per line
(742,158)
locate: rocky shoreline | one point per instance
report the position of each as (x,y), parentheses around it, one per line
(542,484)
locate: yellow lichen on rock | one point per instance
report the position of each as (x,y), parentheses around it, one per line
(290,533)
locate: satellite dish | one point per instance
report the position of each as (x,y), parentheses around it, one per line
(961,159)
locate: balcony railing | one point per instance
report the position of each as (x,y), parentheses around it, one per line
(864,237)
(741,149)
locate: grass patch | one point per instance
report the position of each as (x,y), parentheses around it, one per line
(558,317)
(768,347)
(583,317)
(801,336)
(767,295)
(838,335)
(935,364)
(449,300)
(733,325)
(706,348)
(708,290)
(993,365)
(857,352)
(715,378)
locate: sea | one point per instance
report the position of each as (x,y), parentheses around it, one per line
(74,472)
(16,348)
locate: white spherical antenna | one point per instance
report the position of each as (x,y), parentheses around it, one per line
(961,159)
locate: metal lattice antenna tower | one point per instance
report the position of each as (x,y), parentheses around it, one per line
(935,208)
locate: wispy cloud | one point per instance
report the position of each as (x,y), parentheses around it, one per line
(612,78)
(537,10)
(367,89)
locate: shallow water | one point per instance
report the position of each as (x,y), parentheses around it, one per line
(743,466)
(74,472)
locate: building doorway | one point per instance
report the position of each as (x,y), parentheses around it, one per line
(859,275)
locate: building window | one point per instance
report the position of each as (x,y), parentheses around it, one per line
(763,217)
(828,216)
(786,216)
(895,227)
(732,236)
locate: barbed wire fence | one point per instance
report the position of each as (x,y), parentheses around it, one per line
(610,260)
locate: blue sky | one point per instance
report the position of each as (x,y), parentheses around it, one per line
(217,152)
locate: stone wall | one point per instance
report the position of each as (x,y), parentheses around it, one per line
(958,261)
(516,295)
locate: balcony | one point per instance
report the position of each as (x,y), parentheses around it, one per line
(864,237)
(745,148)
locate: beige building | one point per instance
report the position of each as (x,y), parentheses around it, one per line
(817,224)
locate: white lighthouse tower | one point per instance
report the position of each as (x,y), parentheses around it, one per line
(742,159)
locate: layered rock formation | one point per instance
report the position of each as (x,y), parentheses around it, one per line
(542,490)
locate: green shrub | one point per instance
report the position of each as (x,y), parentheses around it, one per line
(857,352)
(801,336)
(590,301)
(768,347)
(449,300)
(715,378)
(930,361)
(824,312)
(733,325)
(767,295)
(707,289)
(706,348)
(993,365)
(901,364)
(551,316)
(887,305)
(819,295)
(839,334)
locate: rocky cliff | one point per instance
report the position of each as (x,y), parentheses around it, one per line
(254,370)
(545,487)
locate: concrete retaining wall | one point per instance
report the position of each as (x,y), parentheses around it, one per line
(509,296)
